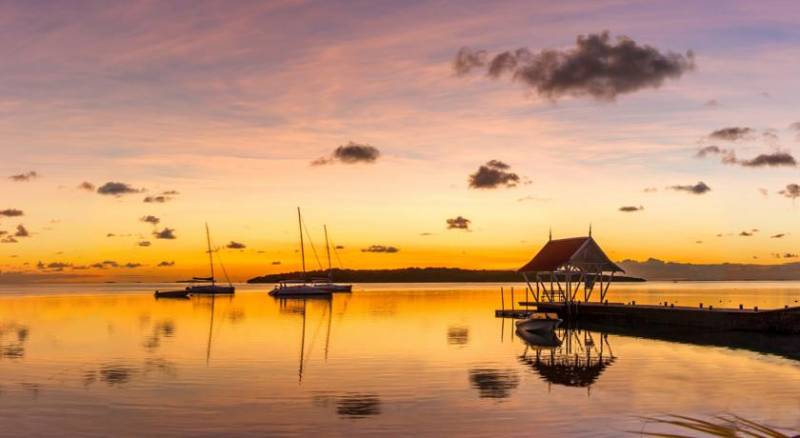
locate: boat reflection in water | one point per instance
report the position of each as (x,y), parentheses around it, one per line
(569,357)
(299,305)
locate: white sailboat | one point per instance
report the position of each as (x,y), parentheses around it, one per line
(327,283)
(212,288)
(299,287)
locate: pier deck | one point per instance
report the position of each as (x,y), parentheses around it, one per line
(786,320)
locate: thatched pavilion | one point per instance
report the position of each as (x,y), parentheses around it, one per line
(557,272)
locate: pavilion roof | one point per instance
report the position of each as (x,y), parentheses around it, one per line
(583,252)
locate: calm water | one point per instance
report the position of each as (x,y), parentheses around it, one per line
(387,359)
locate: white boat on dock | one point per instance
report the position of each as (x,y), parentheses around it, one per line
(539,323)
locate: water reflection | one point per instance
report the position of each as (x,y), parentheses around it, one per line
(116,373)
(12,340)
(122,373)
(161,329)
(457,335)
(566,356)
(351,405)
(299,367)
(493,383)
(299,306)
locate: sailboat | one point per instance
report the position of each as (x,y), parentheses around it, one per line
(212,288)
(299,287)
(328,283)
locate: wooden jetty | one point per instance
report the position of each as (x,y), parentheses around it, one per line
(786,320)
(564,268)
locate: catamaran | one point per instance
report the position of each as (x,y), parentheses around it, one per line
(299,287)
(327,283)
(212,288)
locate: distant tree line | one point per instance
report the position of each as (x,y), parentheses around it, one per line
(408,275)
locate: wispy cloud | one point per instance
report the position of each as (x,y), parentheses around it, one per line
(733,133)
(697,189)
(112,188)
(791,191)
(86,185)
(728,156)
(351,153)
(150,219)
(22,177)
(381,249)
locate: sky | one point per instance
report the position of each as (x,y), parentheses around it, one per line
(416,131)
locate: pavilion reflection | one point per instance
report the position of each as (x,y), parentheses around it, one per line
(567,356)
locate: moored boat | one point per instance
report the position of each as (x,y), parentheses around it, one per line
(300,287)
(211,289)
(328,283)
(172,293)
(297,288)
(204,289)
(330,286)
(539,323)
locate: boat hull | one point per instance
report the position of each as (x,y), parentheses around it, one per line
(171,294)
(204,290)
(539,339)
(335,288)
(538,325)
(299,290)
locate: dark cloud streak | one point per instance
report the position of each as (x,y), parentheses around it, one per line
(697,189)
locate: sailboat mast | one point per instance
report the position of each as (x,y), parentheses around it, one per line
(302,247)
(328,251)
(210,254)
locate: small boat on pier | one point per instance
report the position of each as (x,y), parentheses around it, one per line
(538,322)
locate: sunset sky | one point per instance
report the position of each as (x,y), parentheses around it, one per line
(231,113)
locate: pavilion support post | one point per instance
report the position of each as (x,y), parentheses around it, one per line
(608,283)
(602,295)
(528,282)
